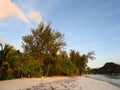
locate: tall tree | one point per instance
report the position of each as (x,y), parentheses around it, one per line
(43,40)
(81,60)
(5,69)
(75,57)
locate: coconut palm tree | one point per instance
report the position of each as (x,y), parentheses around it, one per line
(4,52)
(5,70)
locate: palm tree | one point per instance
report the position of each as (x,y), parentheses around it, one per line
(4,52)
(5,70)
(1,54)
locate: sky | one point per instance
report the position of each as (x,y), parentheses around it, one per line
(88,25)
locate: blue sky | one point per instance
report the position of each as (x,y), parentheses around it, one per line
(88,25)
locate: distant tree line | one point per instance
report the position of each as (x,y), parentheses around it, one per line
(43,56)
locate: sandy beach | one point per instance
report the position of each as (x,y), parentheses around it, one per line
(57,83)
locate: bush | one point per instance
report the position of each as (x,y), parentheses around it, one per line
(68,68)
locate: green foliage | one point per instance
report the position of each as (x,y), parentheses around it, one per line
(41,57)
(88,70)
(43,40)
(16,64)
(4,52)
(49,65)
(68,68)
(58,65)
(31,67)
(81,60)
(5,71)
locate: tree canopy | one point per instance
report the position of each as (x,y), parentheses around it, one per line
(43,40)
(43,55)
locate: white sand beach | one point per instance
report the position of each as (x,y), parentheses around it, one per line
(57,83)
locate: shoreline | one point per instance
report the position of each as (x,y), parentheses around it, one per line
(57,83)
(115,84)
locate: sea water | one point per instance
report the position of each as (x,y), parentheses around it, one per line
(113,79)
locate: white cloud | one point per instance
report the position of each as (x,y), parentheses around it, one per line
(34,16)
(10,9)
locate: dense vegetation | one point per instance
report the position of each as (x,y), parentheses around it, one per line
(43,55)
(108,68)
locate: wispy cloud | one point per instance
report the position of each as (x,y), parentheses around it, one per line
(10,9)
(34,16)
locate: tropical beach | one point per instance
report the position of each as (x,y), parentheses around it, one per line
(57,83)
(60,45)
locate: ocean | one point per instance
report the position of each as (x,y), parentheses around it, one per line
(113,79)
